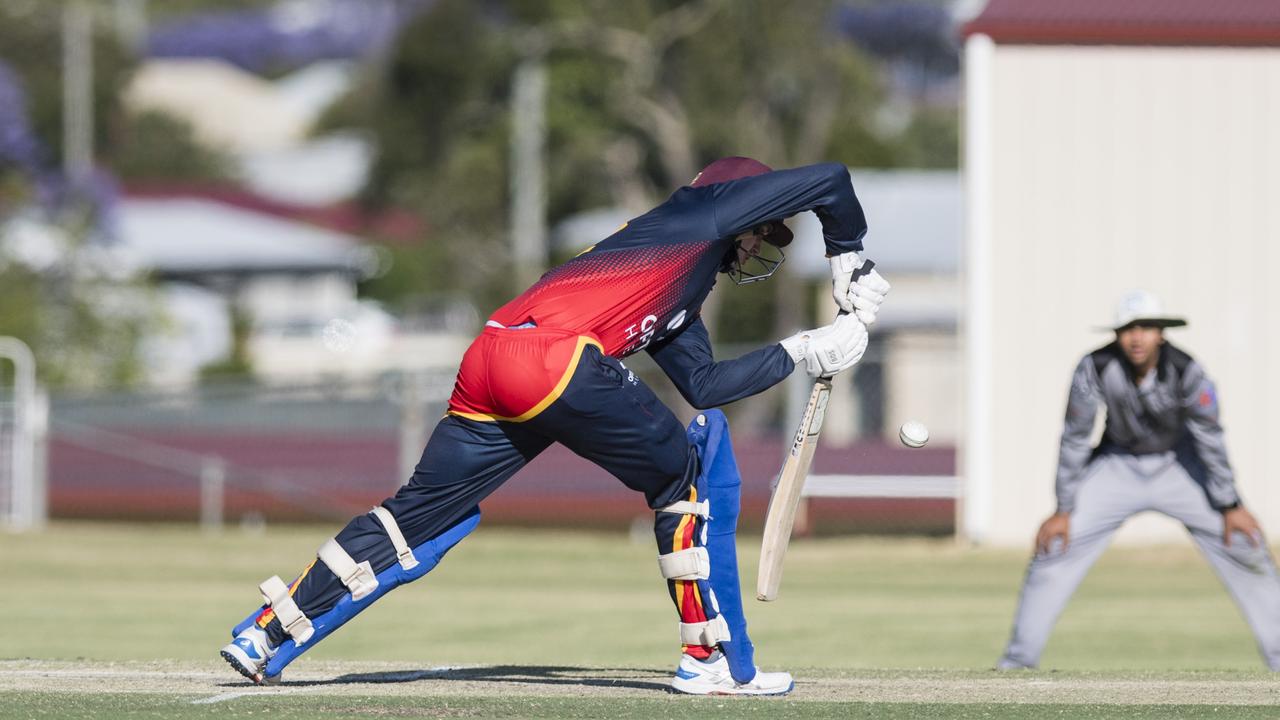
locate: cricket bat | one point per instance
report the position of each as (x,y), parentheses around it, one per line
(781,516)
(786,493)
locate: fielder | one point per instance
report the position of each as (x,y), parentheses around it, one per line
(1162,450)
(548,368)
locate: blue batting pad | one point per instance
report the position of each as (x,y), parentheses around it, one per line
(428,554)
(720,483)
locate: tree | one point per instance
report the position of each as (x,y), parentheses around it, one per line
(144,145)
(153,146)
(31,44)
(642,93)
(83,325)
(83,321)
(437,109)
(931,139)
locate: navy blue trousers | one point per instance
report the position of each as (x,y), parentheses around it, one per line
(605,414)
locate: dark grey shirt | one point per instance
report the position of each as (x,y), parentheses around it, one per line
(1171,415)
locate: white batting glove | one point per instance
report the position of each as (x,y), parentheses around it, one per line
(863,296)
(831,349)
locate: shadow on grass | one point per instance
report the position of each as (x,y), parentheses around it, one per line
(515,674)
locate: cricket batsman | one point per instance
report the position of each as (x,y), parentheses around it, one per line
(548,367)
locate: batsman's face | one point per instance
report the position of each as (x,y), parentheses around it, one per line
(749,244)
(1140,343)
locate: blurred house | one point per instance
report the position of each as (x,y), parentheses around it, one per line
(1112,145)
(265,125)
(294,282)
(284,250)
(211,68)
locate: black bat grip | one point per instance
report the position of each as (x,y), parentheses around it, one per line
(867,267)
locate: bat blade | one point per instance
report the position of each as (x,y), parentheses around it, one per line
(781,515)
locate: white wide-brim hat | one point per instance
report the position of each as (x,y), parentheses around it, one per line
(1140,306)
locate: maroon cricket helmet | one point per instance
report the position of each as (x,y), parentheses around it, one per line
(735,168)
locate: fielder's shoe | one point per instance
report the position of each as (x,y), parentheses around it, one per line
(711,677)
(249,653)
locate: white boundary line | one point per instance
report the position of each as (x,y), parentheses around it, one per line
(94,673)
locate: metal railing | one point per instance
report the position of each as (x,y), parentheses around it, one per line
(213,473)
(24,505)
(882,486)
(253,446)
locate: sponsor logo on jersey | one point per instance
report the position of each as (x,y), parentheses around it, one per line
(641,333)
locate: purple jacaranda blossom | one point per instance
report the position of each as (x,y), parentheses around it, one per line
(21,149)
(289,35)
(19,146)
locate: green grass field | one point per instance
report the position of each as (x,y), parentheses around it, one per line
(126,620)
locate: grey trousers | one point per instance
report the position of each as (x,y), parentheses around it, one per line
(1116,487)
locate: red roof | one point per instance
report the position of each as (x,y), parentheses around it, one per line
(348,217)
(1130,22)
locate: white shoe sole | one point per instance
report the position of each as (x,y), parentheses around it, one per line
(692,687)
(243,664)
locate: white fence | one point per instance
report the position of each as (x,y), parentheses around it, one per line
(23,427)
(882,486)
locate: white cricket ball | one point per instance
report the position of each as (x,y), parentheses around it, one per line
(913,434)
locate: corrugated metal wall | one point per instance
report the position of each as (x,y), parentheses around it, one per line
(1093,170)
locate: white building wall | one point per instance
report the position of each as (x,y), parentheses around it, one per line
(1089,171)
(922,376)
(275,299)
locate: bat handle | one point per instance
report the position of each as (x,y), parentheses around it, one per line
(864,270)
(867,267)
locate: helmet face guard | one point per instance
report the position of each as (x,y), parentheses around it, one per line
(774,233)
(756,267)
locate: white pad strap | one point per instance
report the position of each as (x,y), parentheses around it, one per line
(690,564)
(276,593)
(705,633)
(684,507)
(358,578)
(403,554)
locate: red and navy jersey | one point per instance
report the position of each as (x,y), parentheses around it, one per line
(647,282)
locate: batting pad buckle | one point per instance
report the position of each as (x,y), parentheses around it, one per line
(358,578)
(707,633)
(276,593)
(684,507)
(404,555)
(688,564)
